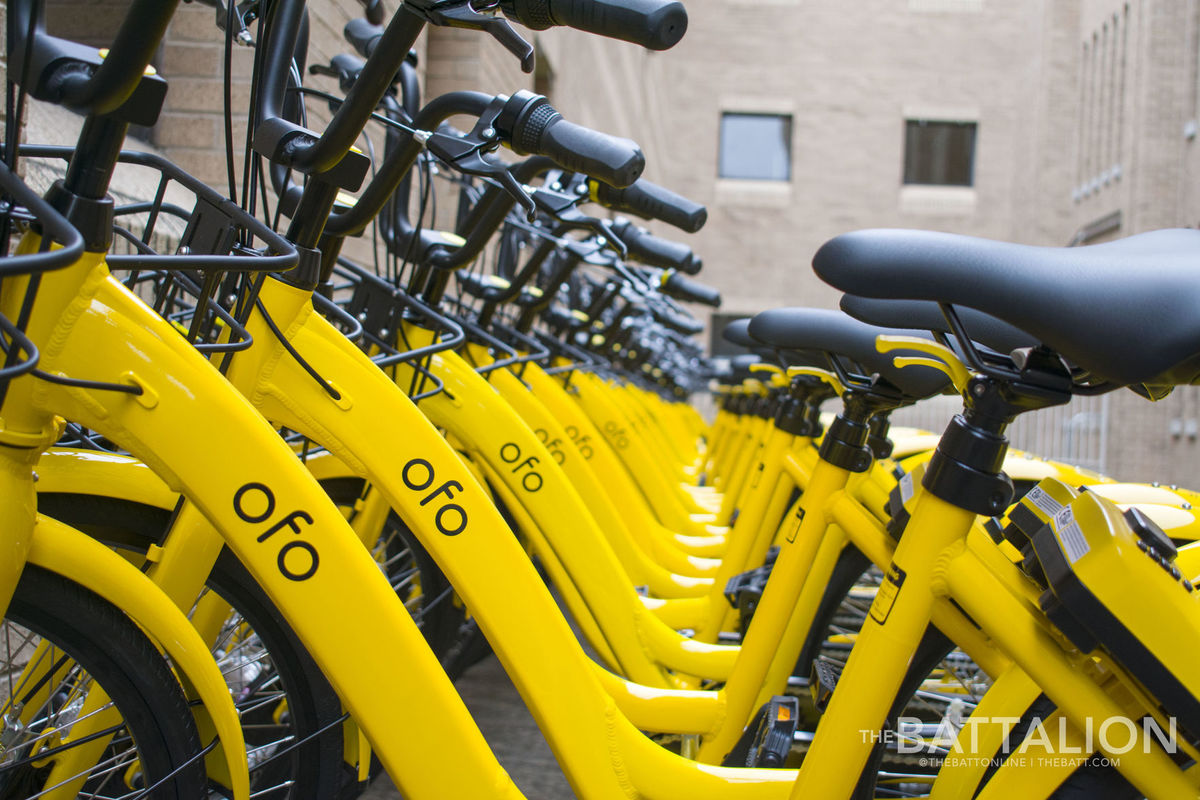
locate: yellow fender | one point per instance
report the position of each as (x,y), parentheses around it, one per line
(77,557)
(71,471)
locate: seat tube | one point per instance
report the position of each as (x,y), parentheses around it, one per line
(778,600)
(867,687)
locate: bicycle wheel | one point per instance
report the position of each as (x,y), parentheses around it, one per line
(61,641)
(290,714)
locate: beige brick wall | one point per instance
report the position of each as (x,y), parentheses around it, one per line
(846,74)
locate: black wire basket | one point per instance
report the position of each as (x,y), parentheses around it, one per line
(381,311)
(189,253)
(192,254)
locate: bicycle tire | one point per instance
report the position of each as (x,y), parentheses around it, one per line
(105,646)
(315,769)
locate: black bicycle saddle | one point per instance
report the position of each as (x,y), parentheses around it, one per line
(1127,311)
(815,329)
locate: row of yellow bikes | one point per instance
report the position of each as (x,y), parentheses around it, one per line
(264,501)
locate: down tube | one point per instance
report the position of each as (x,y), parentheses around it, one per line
(375,426)
(639,639)
(618,484)
(206,441)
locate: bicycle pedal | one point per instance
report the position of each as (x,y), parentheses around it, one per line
(821,682)
(744,590)
(767,740)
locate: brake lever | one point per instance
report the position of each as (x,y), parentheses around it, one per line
(603,229)
(564,208)
(460,14)
(346,72)
(473,155)
(589,252)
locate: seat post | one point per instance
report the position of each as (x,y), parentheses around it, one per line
(965,470)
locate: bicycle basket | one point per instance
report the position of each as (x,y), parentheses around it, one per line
(188,248)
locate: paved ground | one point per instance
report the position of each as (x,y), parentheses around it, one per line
(509,729)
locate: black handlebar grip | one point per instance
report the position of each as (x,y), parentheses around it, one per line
(539,129)
(362,35)
(373,11)
(649,200)
(653,250)
(688,326)
(690,291)
(654,24)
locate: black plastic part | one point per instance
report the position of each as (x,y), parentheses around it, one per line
(654,24)
(812,413)
(790,417)
(307,272)
(844,445)
(689,291)
(209,230)
(1079,636)
(532,125)
(653,250)
(73,75)
(1021,527)
(767,740)
(877,435)
(965,469)
(362,35)
(1148,531)
(92,218)
(821,683)
(898,515)
(651,201)
(743,592)
(281,141)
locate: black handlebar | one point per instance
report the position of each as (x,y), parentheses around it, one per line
(537,128)
(654,250)
(688,326)
(373,10)
(363,35)
(101,86)
(690,291)
(651,201)
(654,24)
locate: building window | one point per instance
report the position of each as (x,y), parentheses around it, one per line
(938,153)
(756,147)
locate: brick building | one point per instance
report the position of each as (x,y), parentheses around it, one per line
(1036,121)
